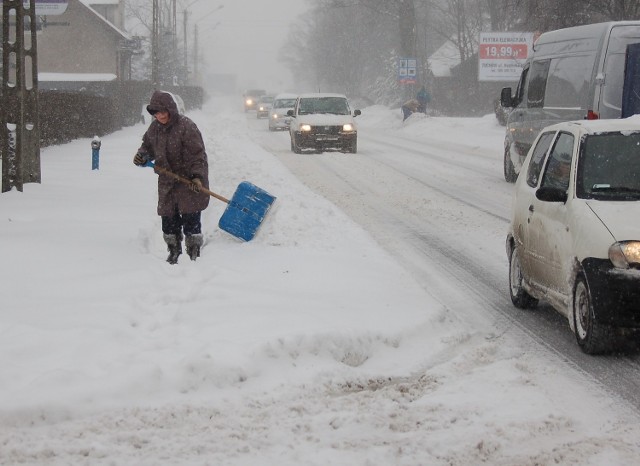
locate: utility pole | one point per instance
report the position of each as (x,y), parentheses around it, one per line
(155,42)
(20,147)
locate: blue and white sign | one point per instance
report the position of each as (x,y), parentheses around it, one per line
(48,7)
(408,71)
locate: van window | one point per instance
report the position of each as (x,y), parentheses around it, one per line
(521,85)
(568,82)
(537,159)
(537,83)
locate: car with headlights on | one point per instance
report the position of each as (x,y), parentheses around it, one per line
(251,98)
(574,238)
(278,118)
(263,106)
(323,122)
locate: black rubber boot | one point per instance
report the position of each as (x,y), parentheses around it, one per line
(194,243)
(174,246)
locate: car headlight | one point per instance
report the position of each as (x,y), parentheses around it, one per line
(625,253)
(249,101)
(274,116)
(261,109)
(305,128)
(348,127)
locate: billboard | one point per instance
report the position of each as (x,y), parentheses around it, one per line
(501,55)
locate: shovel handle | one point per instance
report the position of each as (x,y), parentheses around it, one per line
(188,182)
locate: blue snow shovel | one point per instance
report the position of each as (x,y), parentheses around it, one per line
(245,211)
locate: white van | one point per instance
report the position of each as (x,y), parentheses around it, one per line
(572,74)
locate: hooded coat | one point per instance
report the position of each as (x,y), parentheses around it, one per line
(179,148)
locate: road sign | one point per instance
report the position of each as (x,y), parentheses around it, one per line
(407,71)
(501,55)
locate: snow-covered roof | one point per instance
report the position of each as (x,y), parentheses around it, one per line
(88,3)
(444,59)
(76,77)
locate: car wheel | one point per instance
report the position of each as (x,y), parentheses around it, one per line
(593,337)
(294,145)
(519,296)
(353,148)
(510,174)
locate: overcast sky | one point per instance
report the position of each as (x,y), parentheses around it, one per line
(244,38)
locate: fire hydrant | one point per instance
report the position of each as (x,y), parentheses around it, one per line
(95,153)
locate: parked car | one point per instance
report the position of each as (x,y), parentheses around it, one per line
(574,73)
(278,118)
(574,239)
(251,97)
(263,106)
(323,122)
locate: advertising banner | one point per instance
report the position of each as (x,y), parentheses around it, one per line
(501,55)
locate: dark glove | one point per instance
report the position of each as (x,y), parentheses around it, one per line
(196,185)
(140,159)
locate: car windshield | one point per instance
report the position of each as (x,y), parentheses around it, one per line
(266,99)
(609,167)
(284,103)
(333,105)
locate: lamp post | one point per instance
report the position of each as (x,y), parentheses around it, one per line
(185,15)
(195,38)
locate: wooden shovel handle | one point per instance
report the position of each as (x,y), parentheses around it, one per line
(189,182)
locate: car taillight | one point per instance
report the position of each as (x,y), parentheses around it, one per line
(591,115)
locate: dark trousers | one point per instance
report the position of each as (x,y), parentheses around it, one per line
(189,223)
(406,112)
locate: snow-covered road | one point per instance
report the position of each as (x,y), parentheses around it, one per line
(432,193)
(310,345)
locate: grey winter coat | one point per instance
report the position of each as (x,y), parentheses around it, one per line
(179,148)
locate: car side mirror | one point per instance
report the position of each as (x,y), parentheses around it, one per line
(506,99)
(356,113)
(290,113)
(549,194)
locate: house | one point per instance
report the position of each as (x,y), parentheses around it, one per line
(85,41)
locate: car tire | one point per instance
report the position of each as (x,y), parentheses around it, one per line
(593,337)
(294,145)
(519,296)
(353,147)
(510,174)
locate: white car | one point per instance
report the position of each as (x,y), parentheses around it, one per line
(263,106)
(323,122)
(278,118)
(574,239)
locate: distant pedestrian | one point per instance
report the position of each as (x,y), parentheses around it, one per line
(174,142)
(423,97)
(409,107)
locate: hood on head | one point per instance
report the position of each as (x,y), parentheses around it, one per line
(162,101)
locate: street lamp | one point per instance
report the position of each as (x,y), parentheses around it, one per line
(185,14)
(195,37)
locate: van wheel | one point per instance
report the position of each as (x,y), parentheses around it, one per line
(519,296)
(593,337)
(510,174)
